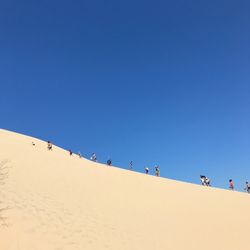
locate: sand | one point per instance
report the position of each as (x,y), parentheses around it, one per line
(51,201)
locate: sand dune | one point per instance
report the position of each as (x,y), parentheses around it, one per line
(51,201)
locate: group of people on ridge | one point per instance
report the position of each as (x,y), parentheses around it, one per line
(109,163)
(205,181)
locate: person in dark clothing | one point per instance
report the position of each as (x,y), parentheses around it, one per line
(93,157)
(131,165)
(204,180)
(247,188)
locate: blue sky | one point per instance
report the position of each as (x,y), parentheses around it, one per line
(156,82)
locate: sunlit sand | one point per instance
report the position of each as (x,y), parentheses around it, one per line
(51,201)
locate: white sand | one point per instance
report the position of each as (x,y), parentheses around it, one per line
(57,202)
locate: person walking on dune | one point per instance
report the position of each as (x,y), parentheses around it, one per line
(70,152)
(109,162)
(157,171)
(207,180)
(231,185)
(131,165)
(247,187)
(146,170)
(93,157)
(204,180)
(49,145)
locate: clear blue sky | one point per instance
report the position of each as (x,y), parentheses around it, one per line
(156,82)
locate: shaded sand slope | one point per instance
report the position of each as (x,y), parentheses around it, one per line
(51,201)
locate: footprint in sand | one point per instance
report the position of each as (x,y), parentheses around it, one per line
(31,230)
(71,243)
(78,231)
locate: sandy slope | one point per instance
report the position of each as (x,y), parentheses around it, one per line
(51,201)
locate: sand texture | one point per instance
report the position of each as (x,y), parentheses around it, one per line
(51,201)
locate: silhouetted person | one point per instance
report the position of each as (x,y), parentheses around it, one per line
(79,154)
(131,165)
(93,157)
(109,162)
(70,152)
(247,187)
(146,170)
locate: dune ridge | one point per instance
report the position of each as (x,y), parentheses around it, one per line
(51,201)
